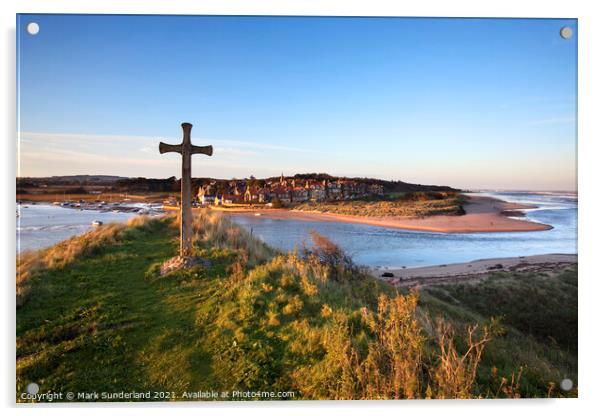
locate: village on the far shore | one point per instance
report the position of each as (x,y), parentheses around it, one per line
(285,191)
(102,192)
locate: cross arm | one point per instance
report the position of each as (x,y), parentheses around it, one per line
(165,148)
(206,150)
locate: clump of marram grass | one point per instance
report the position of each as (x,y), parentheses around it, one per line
(216,230)
(454,374)
(338,265)
(62,254)
(392,367)
(378,356)
(383,357)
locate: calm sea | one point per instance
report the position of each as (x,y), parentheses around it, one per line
(43,225)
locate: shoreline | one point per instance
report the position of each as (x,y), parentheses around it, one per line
(116,207)
(484,214)
(472,270)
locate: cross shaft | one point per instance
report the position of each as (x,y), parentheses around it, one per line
(186,149)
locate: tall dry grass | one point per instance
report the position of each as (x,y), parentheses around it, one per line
(217,230)
(372,353)
(339,266)
(388,361)
(387,365)
(454,374)
(392,367)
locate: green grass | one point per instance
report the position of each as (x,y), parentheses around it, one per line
(103,319)
(543,305)
(538,314)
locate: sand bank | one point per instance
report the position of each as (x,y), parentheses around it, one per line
(483,214)
(473,270)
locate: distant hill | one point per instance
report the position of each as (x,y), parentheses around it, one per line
(70,180)
(141,184)
(389,186)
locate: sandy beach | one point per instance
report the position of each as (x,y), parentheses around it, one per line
(473,270)
(483,214)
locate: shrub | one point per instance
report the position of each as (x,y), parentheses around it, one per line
(339,265)
(416,196)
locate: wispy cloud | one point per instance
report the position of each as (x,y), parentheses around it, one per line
(42,154)
(262,146)
(97,140)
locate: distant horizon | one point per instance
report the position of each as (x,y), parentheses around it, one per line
(310,173)
(481,103)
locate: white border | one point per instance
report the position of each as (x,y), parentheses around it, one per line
(590,72)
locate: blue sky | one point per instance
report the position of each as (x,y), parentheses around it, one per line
(472,103)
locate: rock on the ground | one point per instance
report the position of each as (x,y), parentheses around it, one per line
(179,263)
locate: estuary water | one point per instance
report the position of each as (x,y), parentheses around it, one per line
(43,225)
(388,247)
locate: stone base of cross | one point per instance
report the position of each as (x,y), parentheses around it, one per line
(179,262)
(186,149)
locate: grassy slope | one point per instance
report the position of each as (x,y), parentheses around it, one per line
(538,313)
(254,320)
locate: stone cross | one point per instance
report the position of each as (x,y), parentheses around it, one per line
(186,149)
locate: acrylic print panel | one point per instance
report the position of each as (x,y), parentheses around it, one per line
(295,208)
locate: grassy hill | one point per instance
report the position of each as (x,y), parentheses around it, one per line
(94,315)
